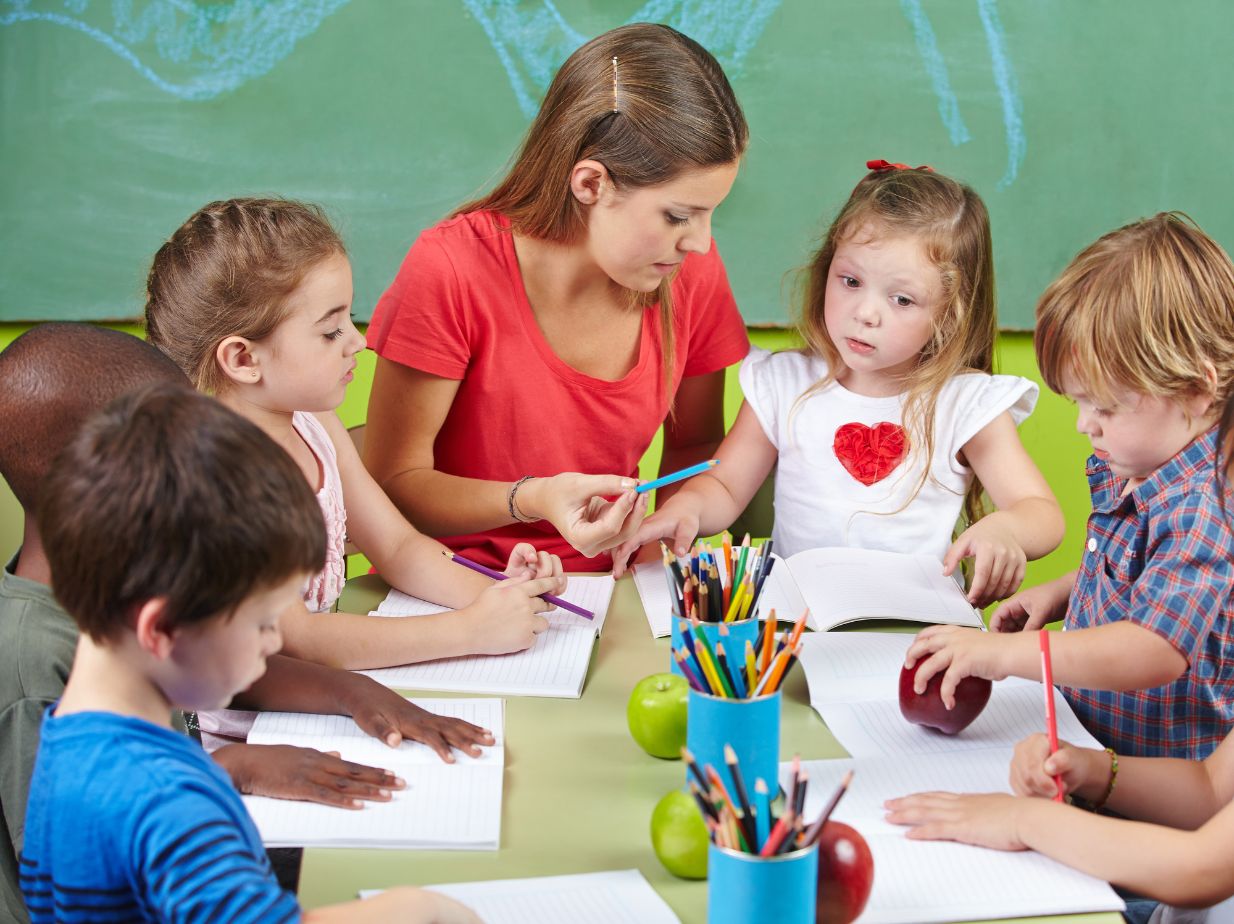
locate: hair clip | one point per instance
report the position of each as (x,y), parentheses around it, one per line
(878,166)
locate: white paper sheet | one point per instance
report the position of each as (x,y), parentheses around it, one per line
(445,806)
(854,686)
(653,592)
(918,882)
(555,666)
(591,592)
(619,897)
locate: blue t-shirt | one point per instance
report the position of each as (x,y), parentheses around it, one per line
(130,821)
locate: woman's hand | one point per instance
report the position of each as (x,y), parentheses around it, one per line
(578,506)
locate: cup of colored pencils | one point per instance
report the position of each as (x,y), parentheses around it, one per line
(735,702)
(762,864)
(718,586)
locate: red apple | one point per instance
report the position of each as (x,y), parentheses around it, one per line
(971,695)
(845,874)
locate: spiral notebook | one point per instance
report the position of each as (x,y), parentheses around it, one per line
(444,807)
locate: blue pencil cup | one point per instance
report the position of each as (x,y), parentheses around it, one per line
(745,889)
(734,643)
(751,726)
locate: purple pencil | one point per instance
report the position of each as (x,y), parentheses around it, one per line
(498,576)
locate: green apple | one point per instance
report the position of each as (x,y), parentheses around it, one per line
(679,835)
(656,714)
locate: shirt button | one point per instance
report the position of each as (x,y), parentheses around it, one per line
(1092,544)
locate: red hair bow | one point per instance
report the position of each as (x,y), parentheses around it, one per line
(880,165)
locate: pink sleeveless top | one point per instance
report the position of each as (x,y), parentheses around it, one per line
(222,726)
(323,589)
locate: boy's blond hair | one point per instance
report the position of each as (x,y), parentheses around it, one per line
(1148,308)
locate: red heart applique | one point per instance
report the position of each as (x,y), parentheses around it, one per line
(870,454)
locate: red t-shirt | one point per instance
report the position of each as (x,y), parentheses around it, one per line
(457,309)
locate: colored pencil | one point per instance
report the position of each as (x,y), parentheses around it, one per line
(762,813)
(681,475)
(1051,720)
(498,576)
(815,831)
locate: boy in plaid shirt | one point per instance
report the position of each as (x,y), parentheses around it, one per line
(1139,332)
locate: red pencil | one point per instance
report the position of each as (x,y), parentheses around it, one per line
(1051,721)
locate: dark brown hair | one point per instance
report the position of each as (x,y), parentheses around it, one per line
(645,101)
(52,378)
(168,494)
(953,226)
(226,272)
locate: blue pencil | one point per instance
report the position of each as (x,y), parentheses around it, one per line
(762,812)
(678,476)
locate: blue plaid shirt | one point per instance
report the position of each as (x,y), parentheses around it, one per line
(1162,557)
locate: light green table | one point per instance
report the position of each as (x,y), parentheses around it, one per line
(578,791)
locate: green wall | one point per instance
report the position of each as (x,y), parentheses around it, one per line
(1049,435)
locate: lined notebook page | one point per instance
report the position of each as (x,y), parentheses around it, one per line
(445,806)
(619,897)
(591,592)
(555,666)
(854,686)
(929,881)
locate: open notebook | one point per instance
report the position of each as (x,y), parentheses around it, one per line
(854,686)
(444,807)
(839,586)
(917,882)
(618,897)
(555,666)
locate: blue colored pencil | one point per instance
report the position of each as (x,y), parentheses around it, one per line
(681,475)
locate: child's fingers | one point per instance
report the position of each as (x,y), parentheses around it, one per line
(683,537)
(927,669)
(982,565)
(960,549)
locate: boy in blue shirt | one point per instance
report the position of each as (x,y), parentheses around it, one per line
(177,533)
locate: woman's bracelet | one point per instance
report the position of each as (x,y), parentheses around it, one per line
(1109,789)
(512,505)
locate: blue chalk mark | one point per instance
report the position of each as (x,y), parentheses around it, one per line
(202,52)
(532,38)
(1004,77)
(530,43)
(936,68)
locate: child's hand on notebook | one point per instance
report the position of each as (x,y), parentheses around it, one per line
(286,772)
(990,820)
(390,718)
(1033,768)
(504,619)
(1031,609)
(961,652)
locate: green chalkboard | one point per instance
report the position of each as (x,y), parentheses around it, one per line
(119,119)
